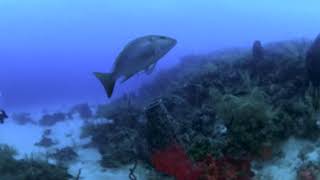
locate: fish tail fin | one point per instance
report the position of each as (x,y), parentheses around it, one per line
(107,80)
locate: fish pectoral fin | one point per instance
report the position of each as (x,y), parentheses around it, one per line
(150,69)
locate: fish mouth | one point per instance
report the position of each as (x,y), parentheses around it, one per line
(173,42)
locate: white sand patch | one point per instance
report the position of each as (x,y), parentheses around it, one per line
(286,167)
(67,133)
(22,138)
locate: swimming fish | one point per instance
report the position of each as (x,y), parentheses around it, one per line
(141,54)
(3,116)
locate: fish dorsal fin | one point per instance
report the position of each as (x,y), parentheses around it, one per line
(150,69)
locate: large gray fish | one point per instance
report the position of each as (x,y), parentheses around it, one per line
(140,54)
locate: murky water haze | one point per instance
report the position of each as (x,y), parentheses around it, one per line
(49,48)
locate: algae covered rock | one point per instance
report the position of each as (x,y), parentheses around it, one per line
(309,171)
(52,119)
(22,118)
(46,142)
(159,127)
(257,51)
(121,140)
(83,110)
(119,146)
(313,62)
(28,168)
(64,156)
(250,120)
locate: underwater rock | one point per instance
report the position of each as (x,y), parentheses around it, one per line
(220,129)
(203,120)
(119,149)
(257,51)
(159,127)
(122,139)
(47,132)
(195,94)
(308,171)
(121,113)
(200,147)
(117,145)
(23,118)
(52,119)
(83,110)
(28,168)
(46,142)
(313,62)
(64,156)
(251,122)
(266,152)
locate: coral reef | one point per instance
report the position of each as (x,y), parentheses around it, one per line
(28,168)
(121,141)
(51,119)
(257,51)
(64,156)
(308,171)
(46,141)
(83,110)
(159,128)
(313,62)
(223,109)
(251,122)
(22,118)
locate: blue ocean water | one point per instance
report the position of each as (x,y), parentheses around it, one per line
(49,49)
